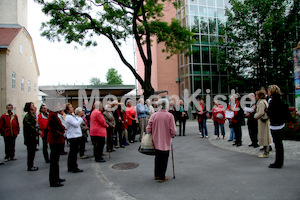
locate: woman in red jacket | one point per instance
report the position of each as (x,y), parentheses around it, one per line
(218,116)
(131,116)
(56,141)
(43,125)
(98,131)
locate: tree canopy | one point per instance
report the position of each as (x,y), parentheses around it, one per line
(81,20)
(95,81)
(260,38)
(113,78)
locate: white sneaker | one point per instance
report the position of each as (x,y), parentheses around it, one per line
(200,133)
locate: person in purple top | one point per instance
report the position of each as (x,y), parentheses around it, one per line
(163,129)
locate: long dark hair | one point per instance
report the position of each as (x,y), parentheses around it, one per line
(27,107)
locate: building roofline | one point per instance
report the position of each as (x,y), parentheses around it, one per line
(88,87)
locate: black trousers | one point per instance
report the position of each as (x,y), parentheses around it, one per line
(253,130)
(10,142)
(119,131)
(72,158)
(161,164)
(277,139)
(30,155)
(98,143)
(109,144)
(56,150)
(131,132)
(82,146)
(238,133)
(45,148)
(182,126)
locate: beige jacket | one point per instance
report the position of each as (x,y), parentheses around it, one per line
(264,136)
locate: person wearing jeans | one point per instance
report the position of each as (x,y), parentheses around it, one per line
(202,118)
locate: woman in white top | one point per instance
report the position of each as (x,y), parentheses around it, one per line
(74,135)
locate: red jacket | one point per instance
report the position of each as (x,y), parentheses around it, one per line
(9,126)
(130,111)
(220,110)
(98,124)
(56,129)
(43,123)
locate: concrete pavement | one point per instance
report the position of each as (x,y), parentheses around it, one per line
(203,171)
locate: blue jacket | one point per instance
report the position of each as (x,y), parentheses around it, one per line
(142,110)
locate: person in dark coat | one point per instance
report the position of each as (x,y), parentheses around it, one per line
(252,123)
(237,120)
(278,112)
(182,116)
(56,141)
(9,129)
(31,134)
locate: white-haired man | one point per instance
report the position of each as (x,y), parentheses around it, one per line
(163,129)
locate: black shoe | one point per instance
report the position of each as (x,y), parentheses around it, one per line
(251,145)
(33,169)
(275,166)
(230,140)
(56,185)
(101,160)
(61,180)
(239,144)
(77,170)
(255,146)
(1,163)
(233,144)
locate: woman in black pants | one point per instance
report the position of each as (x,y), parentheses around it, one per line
(278,113)
(31,133)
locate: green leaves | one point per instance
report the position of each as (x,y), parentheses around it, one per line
(259,35)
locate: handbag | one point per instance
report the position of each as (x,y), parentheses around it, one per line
(219,116)
(147,146)
(207,115)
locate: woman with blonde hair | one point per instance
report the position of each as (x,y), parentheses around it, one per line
(264,137)
(279,114)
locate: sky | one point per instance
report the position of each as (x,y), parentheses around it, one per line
(61,63)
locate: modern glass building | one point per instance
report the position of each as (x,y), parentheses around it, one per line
(205,18)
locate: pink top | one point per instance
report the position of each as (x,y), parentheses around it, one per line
(98,124)
(163,128)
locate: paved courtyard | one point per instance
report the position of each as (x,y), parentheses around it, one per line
(204,169)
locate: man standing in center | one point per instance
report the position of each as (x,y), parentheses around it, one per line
(163,129)
(142,112)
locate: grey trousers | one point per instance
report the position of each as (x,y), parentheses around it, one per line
(142,125)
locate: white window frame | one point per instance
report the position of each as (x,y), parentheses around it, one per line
(22,84)
(29,87)
(13,80)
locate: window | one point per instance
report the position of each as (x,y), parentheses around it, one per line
(13,80)
(22,84)
(29,87)
(34,90)
(21,49)
(31,59)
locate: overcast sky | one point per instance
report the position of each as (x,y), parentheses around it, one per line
(60,63)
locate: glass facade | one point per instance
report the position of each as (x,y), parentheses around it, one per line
(206,19)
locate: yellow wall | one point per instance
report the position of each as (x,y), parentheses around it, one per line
(23,65)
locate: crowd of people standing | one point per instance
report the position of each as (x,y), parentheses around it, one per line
(114,127)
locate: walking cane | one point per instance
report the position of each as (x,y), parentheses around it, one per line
(173,161)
